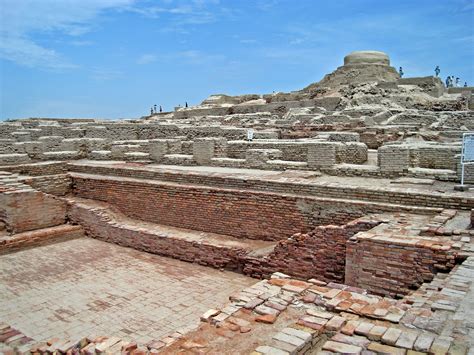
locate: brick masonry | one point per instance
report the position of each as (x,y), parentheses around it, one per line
(244,214)
(38,237)
(395,265)
(25,210)
(320,253)
(404,199)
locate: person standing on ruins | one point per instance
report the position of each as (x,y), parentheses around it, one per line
(465,84)
(186,104)
(400,71)
(161,109)
(437,70)
(449,82)
(151,111)
(457,82)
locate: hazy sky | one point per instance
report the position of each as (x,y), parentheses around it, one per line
(115,58)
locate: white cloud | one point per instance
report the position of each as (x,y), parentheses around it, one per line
(146,59)
(21,19)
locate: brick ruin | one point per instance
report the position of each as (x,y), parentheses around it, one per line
(342,208)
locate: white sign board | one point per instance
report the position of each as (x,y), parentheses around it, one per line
(250,134)
(467,153)
(468,148)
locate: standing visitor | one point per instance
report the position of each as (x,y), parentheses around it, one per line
(437,70)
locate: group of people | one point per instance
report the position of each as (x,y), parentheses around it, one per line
(153,110)
(451,81)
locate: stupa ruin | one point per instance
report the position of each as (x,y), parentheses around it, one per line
(339,227)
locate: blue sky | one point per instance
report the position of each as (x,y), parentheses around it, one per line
(115,58)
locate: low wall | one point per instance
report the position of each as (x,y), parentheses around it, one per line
(39,237)
(395,265)
(96,225)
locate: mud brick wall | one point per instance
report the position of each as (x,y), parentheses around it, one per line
(26,210)
(290,151)
(393,158)
(203,150)
(58,185)
(435,157)
(322,155)
(394,266)
(319,254)
(244,214)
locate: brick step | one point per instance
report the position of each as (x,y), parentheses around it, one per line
(103,222)
(14,242)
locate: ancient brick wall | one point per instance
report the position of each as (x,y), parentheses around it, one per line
(25,210)
(245,214)
(405,199)
(291,151)
(393,266)
(96,224)
(319,254)
(44,168)
(38,237)
(58,185)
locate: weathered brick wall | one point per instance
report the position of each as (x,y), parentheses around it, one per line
(246,214)
(43,168)
(58,185)
(39,237)
(25,210)
(291,151)
(383,195)
(391,265)
(96,224)
(319,254)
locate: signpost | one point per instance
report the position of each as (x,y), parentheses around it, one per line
(250,134)
(467,152)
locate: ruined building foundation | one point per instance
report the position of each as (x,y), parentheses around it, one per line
(337,229)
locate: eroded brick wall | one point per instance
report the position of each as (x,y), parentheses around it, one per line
(58,185)
(240,214)
(404,199)
(96,225)
(393,266)
(319,254)
(244,214)
(26,210)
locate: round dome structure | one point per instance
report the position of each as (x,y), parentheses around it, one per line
(367,57)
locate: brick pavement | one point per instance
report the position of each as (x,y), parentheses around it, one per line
(87,287)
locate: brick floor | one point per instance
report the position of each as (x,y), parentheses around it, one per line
(87,287)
